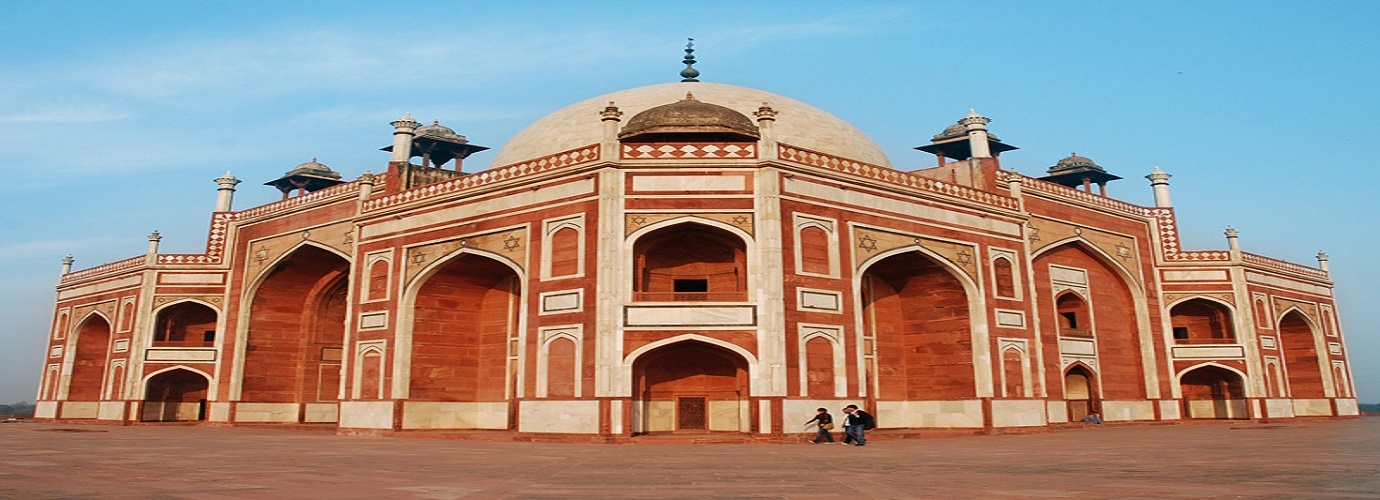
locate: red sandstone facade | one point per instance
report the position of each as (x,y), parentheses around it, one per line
(692,270)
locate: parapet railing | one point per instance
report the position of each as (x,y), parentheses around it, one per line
(1280,265)
(121,265)
(690,296)
(806,157)
(576,156)
(1074,194)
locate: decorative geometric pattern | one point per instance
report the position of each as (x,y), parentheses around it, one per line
(634,222)
(871,241)
(1065,192)
(1048,232)
(814,159)
(164,299)
(1308,308)
(1224,297)
(507,244)
(498,174)
(658,151)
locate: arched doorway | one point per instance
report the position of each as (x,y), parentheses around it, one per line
(463,316)
(1296,338)
(90,360)
(1080,392)
(176,395)
(918,314)
(691,387)
(1090,309)
(1213,392)
(297,330)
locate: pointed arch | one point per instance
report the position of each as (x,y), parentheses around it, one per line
(494,292)
(177,393)
(90,357)
(1304,362)
(691,385)
(185,322)
(1130,278)
(1116,291)
(1201,319)
(689,259)
(1213,390)
(291,334)
(1080,387)
(965,342)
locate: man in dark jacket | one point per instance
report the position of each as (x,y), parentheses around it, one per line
(855,422)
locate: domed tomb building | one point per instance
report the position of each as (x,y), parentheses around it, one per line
(693,258)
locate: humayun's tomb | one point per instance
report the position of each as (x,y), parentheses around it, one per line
(698,258)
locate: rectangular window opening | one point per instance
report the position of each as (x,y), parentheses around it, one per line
(689,286)
(1070,320)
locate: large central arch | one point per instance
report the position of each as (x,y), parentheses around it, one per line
(691,386)
(918,313)
(296,331)
(452,362)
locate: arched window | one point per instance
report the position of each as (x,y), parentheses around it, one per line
(814,250)
(185,324)
(690,262)
(1004,277)
(565,252)
(378,280)
(1073,316)
(1200,321)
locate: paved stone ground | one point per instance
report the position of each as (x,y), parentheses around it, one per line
(1308,459)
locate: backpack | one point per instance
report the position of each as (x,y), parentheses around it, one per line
(868,422)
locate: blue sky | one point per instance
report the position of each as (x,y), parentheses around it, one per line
(115,117)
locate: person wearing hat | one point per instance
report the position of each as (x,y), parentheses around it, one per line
(855,423)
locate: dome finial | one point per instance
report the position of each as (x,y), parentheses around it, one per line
(689,73)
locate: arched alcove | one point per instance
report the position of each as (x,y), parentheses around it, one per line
(1202,321)
(90,360)
(175,395)
(918,313)
(690,262)
(1211,391)
(185,324)
(690,386)
(297,330)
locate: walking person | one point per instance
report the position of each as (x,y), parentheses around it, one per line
(855,424)
(825,421)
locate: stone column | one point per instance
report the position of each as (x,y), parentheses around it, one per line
(225,194)
(766,120)
(1322,263)
(366,186)
(152,256)
(1159,181)
(403,130)
(977,134)
(1232,246)
(67,264)
(609,146)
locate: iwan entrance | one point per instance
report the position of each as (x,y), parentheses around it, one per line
(690,387)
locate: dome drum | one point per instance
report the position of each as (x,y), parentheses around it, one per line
(689,119)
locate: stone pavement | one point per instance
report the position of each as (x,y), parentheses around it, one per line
(1296,459)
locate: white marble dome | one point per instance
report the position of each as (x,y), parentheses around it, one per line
(797,124)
